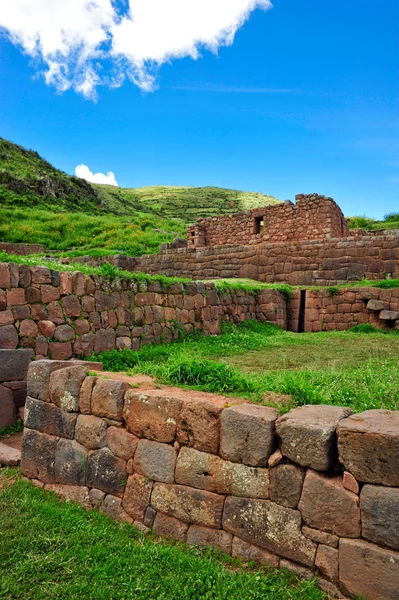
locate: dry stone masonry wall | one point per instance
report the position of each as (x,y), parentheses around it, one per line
(316,490)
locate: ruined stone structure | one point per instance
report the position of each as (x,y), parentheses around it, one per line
(13,371)
(315,490)
(313,217)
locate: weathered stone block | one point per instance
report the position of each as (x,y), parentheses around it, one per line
(91,431)
(85,395)
(74,493)
(121,442)
(325,504)
(286,485)
(308,435)
(60,350)
(107,398)
(247,434)
(49,419)
(137,496)
(327,562)
(215,538)
(380,515)
(14,364)
(211,473)
(8,413)
(188,505)
(170,527)
(350,483)
(152,414)
(96,497)
(270,526)
(106,472)
(377,305)
(249,552)
(198,424)
(320,537)
(38,456)
(368,571)
(64,333)
(112,506)
(368,445)
(65,387)
(155,460)
(8,337)
(70,463)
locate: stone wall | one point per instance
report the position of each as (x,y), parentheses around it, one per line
(313,217)
(21,249)
(316,490)
(13,371)
(60,315)
(327,262)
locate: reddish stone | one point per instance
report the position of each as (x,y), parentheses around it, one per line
(47,328)
(60,350)
(6,317)
(286,485)
(320,537)
(8,337)
(327,562)
(90,431)
(84,345)
(40,275)
(82,326)
(64,333)
(5,279)
(187,504)
(65,387)
(107,398)
(71,306)
(380,511)
(204,536)
(170,527)
(73,493)
(155,460)
(7,407)
(350,483)
(249,552)
(198,424)
(28,328)
(32,295)
(104,340)
(112,506)
(49,293)
(15,296)
(85,395)
(65,283)
(38,456)
(55,313)
(106,472)
(121,443)
(137,496)
(39,312)
(152,414)
(88,304)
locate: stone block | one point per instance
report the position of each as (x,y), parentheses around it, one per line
(105,340)
(121,442)
(389,315)
(368,445)
(152,414)
(350,483)
(60,350)
(8,413)
(40,275)
(112,506)
(96,497)
(209,472)
(14,364)
(286,485)
(327,562)
(70,463)
(8,337)
(49,419)
(72,493)
(91,431)
(188,504)
(6,317)
(198,424)
(320,537)
(28,328)
(270,526)
(170,527)
(308,435)
(85,395)
(325,504)
(155,460)
(377,305)
(47,328)
(106,472)
(5,278)
(10,457)
(107,398)
(137,496)
(248,552)
(380,515)
(64,333)
(71,306)
(368,571)
(15,297)
(214,538)
(65,387)
(248,434)
(38,455)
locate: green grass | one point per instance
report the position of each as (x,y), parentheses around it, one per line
(55,550)
(16,428)
(353,369)
(390,221)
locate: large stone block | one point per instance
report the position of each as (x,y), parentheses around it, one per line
(112,506)
(137,496)
(188,504)
(38,456)
(270,526)
(85,395)
(211,473)
(106,472)
(74,493)
(155,460)
(327,562)
(198,424)
(248,434)
(368,445)
(170,527)
(70,463)
(121,442)
(249,552)
(308,435)
(65,387)
(325,504)
(214,538)
(91,431)
(286,484)
(152,414)
(14,364)
(8,413)
(49,419)
(107,398)
(39,373)
(8,337)
(380,515)
(368,571)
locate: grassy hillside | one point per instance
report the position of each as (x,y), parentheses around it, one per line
(390,221)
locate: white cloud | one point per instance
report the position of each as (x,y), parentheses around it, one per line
(84,172)
(86,43)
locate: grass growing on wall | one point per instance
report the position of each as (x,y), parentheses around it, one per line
(355,369)
(55,550)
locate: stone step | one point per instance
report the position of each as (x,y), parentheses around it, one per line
(10,457)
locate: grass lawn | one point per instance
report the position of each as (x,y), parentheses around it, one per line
(51,549)
(352,369)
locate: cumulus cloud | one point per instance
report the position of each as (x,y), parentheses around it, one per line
(84,172)
(82,44)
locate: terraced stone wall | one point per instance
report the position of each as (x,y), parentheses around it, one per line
(315,490)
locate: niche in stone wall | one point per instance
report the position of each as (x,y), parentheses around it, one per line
(259,225)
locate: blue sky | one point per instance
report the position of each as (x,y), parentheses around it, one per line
(304,100)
